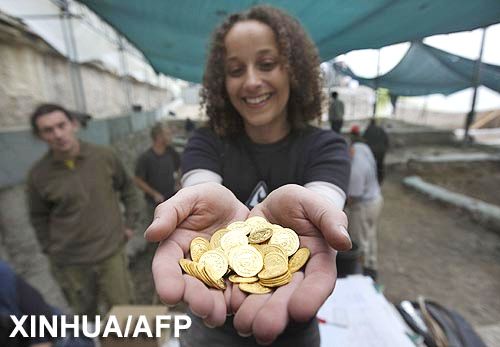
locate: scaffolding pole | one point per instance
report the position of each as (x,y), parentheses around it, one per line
(74,67)
(376,85)
(475,82)
(124,78)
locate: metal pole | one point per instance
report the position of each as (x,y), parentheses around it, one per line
(475,82)
(376,85)
(148,86)
(70,44)
(123,62)
(423,113)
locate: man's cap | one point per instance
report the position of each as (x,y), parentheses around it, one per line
(355,130)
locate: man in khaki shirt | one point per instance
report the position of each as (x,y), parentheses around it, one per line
(74,194)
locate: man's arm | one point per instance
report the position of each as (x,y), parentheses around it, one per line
(39,213)
(177,172)
(146,188)
(128,194)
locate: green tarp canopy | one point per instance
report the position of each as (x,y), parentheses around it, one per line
(427,70)
(174,34)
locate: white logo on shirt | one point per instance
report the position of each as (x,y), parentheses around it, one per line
(259,193)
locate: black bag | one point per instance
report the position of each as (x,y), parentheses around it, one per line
(458,331)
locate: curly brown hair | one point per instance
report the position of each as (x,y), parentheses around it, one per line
(298,54)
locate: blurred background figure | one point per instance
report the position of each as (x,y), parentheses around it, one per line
(157,168)
(364,202)
(18,298)
(75,211)
(336,112)
(189,126)
(376,138)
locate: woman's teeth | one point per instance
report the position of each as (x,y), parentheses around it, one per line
(258,100)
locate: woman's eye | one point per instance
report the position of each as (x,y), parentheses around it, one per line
(233,72)
(267,65)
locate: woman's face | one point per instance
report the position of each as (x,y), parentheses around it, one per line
(256,80)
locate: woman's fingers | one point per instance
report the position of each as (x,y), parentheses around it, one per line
(171,213)
(237,298)
(167,274)
(272,318)
(244,317)
(198,297)
(317,286)
(218,315)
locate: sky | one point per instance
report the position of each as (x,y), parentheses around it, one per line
(466,44)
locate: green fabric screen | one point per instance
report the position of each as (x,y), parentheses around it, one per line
(174,34)
(427,70)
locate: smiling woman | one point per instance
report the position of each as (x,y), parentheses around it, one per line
(257,81)
(260,44)
(257,157)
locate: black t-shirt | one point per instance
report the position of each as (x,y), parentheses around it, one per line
(158,170)
(303,156)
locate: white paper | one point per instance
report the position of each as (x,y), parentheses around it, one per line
(357,315)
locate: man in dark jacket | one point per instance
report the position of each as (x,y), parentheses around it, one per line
(376,138)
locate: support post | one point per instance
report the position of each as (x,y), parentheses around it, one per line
(124,78)
(376,85)
(475,83)
(71,50)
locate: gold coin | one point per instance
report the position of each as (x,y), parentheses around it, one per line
(213,282)
(246,261)
(198,246)
(274,272)
(298,259)
(275,259)
(200,273)
(221,284)
(254,288)
(232,239)
(260,235)
(239,279)
(265,249)
(216,261)
(257,223)
(256,220)
(277,281)
(184,263)
(258,267)
(215,239)
(230,255)
(275,264)
(241,227)
(257,247)
(287,239)
(195,272)
(279,278)
(236,225)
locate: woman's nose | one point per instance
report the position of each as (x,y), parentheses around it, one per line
(253,78)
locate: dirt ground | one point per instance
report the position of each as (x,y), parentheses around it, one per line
(480,180)
(425,248)
(142,277)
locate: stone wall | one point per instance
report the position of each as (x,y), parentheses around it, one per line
(32,72)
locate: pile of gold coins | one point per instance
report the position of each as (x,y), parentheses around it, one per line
(253,253)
